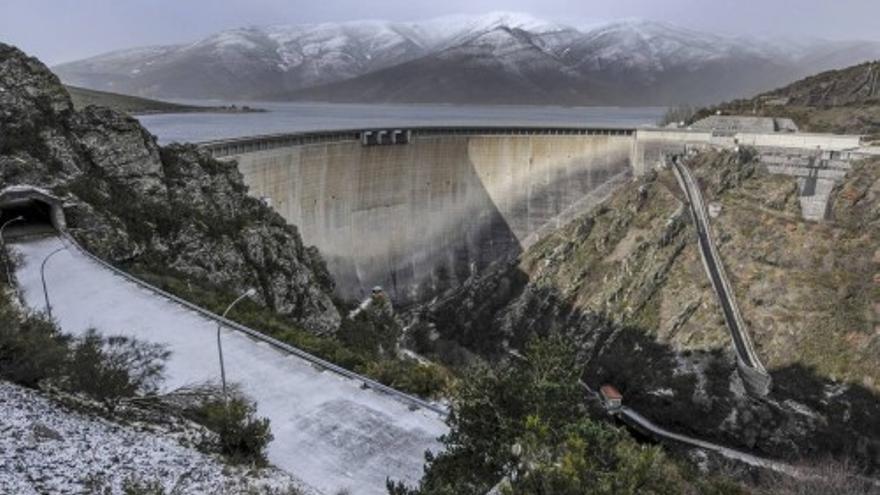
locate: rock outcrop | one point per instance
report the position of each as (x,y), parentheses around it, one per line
(626,281)
(171,210)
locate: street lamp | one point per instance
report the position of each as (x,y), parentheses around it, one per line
(43,278)
(3,243)
(247,293)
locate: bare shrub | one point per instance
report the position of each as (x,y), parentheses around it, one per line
(242,436)
(822,478)
(680,114)
(31,348)
(111,368)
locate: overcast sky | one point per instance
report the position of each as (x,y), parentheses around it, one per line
(63,30)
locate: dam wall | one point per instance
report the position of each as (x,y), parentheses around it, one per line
(417,211)
(419,218)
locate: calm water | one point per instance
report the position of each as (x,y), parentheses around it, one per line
(292,117)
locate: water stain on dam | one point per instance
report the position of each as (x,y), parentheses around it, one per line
(419,218)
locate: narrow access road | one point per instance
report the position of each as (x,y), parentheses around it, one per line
(638,421)
(329,431)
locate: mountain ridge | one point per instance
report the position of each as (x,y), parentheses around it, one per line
(492,58)
(842,101)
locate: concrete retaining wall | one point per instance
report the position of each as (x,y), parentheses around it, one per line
(652,146)
(421,217)
(801,140)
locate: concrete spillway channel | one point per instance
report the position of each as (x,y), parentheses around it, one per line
(752,371)
(330,432)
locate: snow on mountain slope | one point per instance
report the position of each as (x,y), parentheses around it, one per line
(329,432)
(329,52)
(444,32)
(650,46)
(584,65)
(624,63)
(46,447)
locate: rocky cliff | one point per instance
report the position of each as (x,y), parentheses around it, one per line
(169,210)
(626,280)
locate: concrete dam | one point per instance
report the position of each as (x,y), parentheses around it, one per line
(417,211)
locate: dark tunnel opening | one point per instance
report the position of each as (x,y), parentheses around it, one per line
(30,216)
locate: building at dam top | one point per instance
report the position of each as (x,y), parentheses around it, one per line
(737,123)
(419,210)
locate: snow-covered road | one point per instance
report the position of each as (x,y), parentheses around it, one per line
(328,431)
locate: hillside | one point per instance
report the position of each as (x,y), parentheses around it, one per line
(839,101)
(134,105)
(626,281)
(171,210)
(50,447)
(501,57)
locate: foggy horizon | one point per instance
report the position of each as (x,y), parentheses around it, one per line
(84,29)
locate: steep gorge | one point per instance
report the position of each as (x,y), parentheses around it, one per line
(626,281)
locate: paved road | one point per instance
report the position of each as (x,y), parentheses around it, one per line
(329,432)
(645,425)
(635,419)
(755,376)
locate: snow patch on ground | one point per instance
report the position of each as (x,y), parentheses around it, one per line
(47,448)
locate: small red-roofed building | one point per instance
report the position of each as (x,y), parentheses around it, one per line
(611,397)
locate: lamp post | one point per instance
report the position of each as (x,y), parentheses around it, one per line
(247,293)
(3,243)
(43,278)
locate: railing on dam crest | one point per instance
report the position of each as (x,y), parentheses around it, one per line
(235,146)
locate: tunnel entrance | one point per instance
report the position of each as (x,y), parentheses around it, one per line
(26,210)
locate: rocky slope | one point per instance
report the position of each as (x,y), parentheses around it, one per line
(840,101)
(627,281)
(492,58)
(170,209)
(47,447)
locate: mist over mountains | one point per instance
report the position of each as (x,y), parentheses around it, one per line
(498,58)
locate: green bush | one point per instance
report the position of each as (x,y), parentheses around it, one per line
(526,422)
(588,457)
(354,349)
(31,348)
(409,376)
(107,369)
(242,436)
(374,331)
(111,368)
(136,486)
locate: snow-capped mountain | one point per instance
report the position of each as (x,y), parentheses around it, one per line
(493,58)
